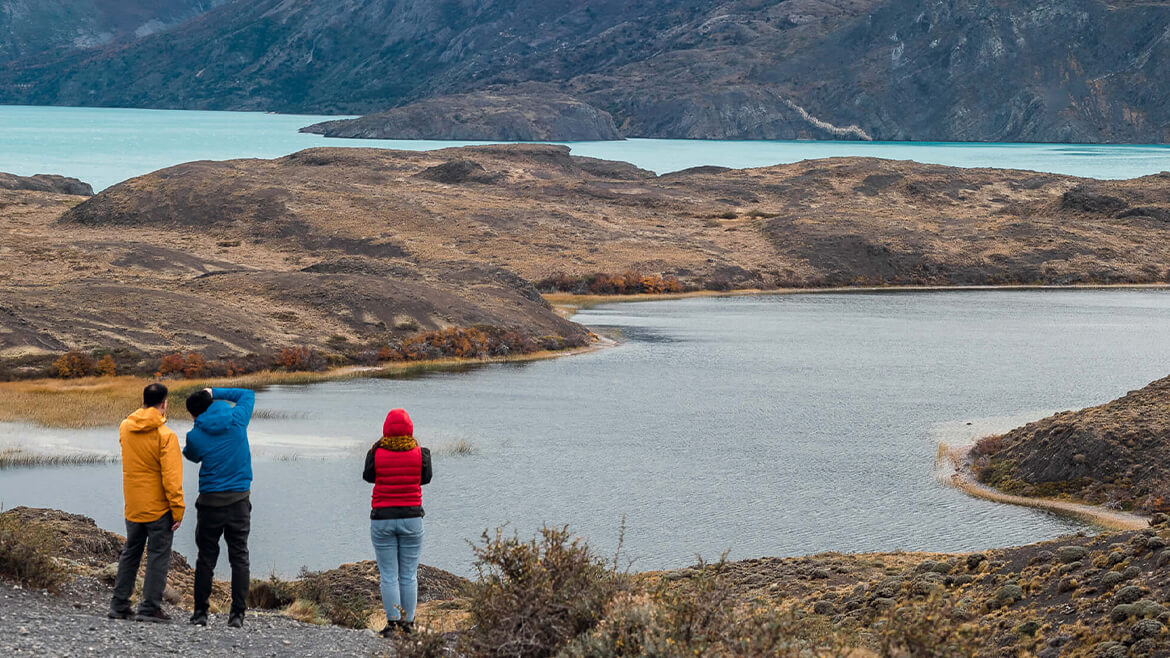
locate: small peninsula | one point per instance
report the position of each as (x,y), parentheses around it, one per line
(530,115)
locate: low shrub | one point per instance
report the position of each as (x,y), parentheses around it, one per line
(74,364)
(107,367)
(26,555)
(339,606)
(300,359)
(190,365)
(532,598)
(478,342)
(699,615)
(630,282)
(419,644)
(270,594)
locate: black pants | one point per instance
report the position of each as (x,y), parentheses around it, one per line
(233,522)
(155,537)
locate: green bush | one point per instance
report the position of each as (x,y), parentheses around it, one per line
(700,615)
(25,555)
(532,598)
(340,606)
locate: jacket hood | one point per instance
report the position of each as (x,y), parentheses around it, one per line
(145,420)
(217,419)
(398,423)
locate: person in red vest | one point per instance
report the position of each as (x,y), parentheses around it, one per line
(397,467)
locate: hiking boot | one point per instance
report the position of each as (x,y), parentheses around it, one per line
(199,618)
(155,616)
(120,614)
(396,626)
(236,620)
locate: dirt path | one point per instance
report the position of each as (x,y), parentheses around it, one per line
(954,468)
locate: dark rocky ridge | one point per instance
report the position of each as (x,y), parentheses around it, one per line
(1116,454)
(520,116)
(1054,70)
(45,183)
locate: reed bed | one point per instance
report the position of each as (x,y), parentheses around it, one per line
(21,458)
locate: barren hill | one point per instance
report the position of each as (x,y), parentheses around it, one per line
(537,210)
(360,247)
(141,290)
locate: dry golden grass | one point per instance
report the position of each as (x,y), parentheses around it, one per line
(305,611)
(104,401)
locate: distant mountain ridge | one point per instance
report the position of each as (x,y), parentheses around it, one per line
(1052,70)
(30,28)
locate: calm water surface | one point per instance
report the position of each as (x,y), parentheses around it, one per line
(777,425)
(104,146)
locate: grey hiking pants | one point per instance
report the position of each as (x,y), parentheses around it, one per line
(156,537)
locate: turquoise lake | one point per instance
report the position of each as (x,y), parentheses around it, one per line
(103,146)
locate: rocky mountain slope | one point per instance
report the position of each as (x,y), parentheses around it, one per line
(365,246)
(520,115)
(40,28)
(1055,70)
(1117,454)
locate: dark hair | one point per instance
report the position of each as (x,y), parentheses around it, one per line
(153,395)
(198,402)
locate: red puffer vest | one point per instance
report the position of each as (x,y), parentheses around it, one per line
(398,477)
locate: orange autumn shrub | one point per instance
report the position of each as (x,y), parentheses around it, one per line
(106,367)
(74,364)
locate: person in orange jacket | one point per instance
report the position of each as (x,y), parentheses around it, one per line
(152,484)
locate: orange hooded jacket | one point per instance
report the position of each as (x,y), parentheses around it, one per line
(152,467)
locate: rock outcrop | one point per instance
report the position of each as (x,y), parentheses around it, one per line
(45,183)
(521,116)
(1117,454)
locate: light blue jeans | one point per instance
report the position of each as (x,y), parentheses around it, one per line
(397,546)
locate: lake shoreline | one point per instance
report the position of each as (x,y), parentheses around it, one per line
(568,303)
(88,400)
(957,460)
(564,304)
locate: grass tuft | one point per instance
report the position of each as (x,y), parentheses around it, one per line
(457,448)
(26,554)
(21,458)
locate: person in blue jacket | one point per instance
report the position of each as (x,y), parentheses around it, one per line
(219,443)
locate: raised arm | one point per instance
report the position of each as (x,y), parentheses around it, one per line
(244,400)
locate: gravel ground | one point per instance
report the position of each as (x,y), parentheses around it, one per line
(74,623)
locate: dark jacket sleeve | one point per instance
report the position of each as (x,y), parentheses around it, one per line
(368,473)
(426,466)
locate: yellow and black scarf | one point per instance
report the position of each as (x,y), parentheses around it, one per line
(398,443)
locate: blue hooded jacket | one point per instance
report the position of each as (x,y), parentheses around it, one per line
(219,441)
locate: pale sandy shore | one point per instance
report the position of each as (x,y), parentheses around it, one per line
(954,463)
